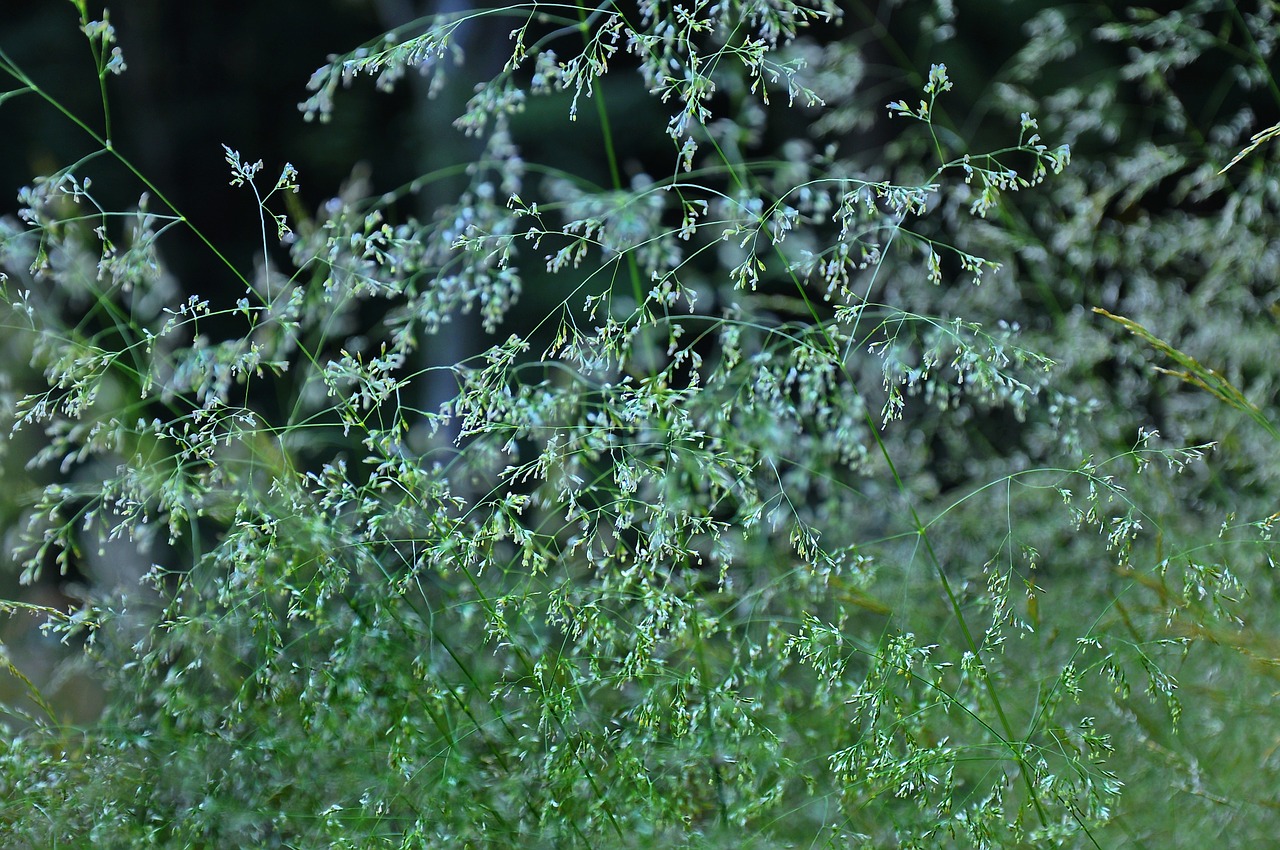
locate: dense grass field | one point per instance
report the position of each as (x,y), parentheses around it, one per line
(754,424)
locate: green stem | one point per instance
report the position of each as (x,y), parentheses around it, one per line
(13,70)
(1009,737)
(606,131)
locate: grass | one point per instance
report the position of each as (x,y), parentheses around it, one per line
(764,528)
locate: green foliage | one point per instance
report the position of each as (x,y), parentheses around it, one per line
(810,506)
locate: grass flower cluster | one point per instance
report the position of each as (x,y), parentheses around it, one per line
(784,502)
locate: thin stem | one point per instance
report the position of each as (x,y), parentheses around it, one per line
(606,130)
(14,71)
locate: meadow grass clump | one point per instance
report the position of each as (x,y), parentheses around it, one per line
(757,518)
